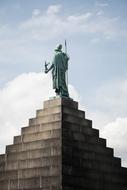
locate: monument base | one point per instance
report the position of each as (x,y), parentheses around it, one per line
(59,150)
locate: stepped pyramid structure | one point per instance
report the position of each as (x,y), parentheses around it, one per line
(60,150)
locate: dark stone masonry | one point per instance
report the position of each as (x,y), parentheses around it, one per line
(60,150)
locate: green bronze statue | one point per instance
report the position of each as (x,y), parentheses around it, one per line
(59,69)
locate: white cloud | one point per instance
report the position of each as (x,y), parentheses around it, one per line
(109,103)
(36,12)
(19,100)
(95,40)
(51,24)
(116,135)
(103,4)
(79,19)
(111,97)
(53,9)
(25,39)
(99,13)
(109,115)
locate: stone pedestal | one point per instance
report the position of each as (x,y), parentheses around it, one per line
(60,150)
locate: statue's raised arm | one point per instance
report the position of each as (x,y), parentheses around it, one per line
(59,69)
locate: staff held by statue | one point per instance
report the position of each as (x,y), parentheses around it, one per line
(67,68)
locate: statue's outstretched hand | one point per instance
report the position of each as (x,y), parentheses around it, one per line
(46,67)
(46,71)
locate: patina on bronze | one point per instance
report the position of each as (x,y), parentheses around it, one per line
(59,69)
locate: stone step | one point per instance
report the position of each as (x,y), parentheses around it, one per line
(38,171)
(87,143)
(77,147)
(12,174)
(51,147)
(73,112)
(39,188)
(58,109)
(60,102)
(29,161)
(45,119)
(102,158)
(99,166)
(2,162)
(111,174)
(81,137)
(89,183)
(51,187)
(2,166)
(33,163)
(57,124)
(68,126)
(88,156)
(43,182)
(48,111)
(41,127)
(35,153)
(56,133)
(124,171)
(76,120)
(2,158)
(102,141)
(33,145)
(92,143)
(57,117)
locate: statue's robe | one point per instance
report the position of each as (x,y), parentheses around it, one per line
(60,66)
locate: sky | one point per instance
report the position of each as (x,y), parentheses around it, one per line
(96,34)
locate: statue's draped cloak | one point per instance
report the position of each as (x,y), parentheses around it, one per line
(60,66)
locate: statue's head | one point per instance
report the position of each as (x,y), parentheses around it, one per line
(59,47)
